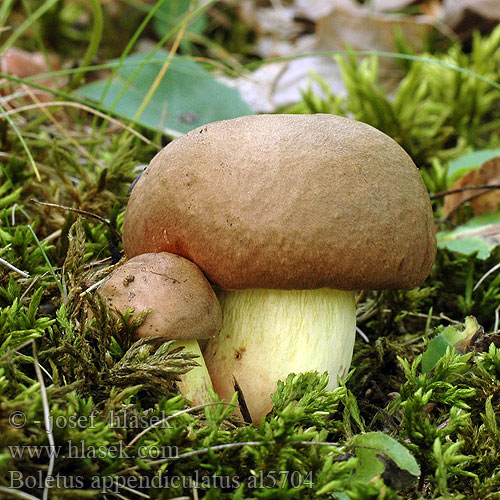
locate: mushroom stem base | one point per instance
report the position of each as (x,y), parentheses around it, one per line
(195,384)
(268,334)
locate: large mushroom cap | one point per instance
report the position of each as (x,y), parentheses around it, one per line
(183,305)
(287,201)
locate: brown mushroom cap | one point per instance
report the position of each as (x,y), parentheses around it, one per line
(183,304)
(287,202)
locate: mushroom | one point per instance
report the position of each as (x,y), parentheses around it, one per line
(183,308)
(288,215)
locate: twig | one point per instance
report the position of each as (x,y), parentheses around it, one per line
(359,297)
(442,194)
(81,212)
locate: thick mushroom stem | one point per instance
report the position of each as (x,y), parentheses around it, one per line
(267,334)
(195,384)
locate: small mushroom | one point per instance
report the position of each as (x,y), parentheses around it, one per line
(288,215)
(183,307)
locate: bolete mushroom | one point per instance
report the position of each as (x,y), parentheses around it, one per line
(288,215)
(182,303)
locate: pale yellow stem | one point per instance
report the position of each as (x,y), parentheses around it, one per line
(268,334)
(194,385)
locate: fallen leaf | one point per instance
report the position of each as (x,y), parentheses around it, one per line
(179,103)
(463,341)
(478,235)
(278,21)
(432,8)
(456,11)
(394,476)
(385,5)
(471,338)
(23,64)
(172,12)
(359,29)
(338,25)
(318,9)
(369,447)
(458,167)
(481,200)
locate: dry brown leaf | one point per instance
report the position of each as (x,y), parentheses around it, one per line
(339,23)
(318,9)
(467,16)
(23,64)
(456,11)
(433,8)
(384,5)
(481,200)
(362,30)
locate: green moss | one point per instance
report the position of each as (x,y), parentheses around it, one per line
(105,391)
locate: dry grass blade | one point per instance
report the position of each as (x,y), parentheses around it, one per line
(47,419)
(86,108)
(18,493)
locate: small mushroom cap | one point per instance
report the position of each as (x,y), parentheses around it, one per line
(183,304)
(287,202)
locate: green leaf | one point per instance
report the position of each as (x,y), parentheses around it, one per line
(490,419)
(449,337)
(171,12)
(470,161)
(372,443)
(186,98)
(480,234)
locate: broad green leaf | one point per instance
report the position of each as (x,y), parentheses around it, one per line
(171,12)
(187,97)
(480,234)
(372,443)
(470,161)
(449,337)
